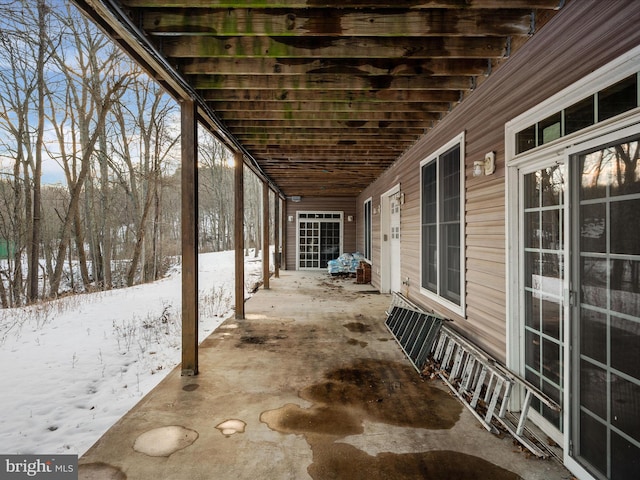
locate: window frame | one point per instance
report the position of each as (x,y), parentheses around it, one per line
(367,219)
(457,141)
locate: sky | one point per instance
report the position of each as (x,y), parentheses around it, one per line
(70,368)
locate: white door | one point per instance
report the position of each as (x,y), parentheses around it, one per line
(542,284)
(390,272)
(394,243)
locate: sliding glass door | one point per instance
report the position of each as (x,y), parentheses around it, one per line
(606,316)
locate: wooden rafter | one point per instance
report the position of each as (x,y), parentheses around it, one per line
(315,90)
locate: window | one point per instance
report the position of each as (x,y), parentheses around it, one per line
(367,229)
(611,101)
(442,224)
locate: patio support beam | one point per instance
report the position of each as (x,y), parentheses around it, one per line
(283,240)
(276,235)
(238,228)
(189,181)
(265,236)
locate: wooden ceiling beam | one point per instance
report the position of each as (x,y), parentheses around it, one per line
(379,97)
(305,115)
(332,22)
(413,4)
(336,143)
(328,82)
(270,157)
(273,125)
(344,66)
(283,133)
(264,140)
(341,110)
(332,47)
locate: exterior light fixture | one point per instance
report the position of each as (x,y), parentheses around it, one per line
(486,166)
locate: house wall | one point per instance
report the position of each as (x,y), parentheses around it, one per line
(584,36)
(346,205)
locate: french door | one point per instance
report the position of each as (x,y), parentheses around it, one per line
(542,280)
(579,298)
(605,408)
(319,239)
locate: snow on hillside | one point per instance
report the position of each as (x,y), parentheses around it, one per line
(70,368)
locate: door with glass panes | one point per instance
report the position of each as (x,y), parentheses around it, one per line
(319,239)
(542,254)
(605,360)
(580,290)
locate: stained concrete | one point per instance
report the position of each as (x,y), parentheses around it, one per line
(313,387)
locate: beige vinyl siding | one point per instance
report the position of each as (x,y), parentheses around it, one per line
(582,37)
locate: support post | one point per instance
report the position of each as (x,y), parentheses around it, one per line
(238,229)
(265,236)
(189,182)
(276,235)
(285,228)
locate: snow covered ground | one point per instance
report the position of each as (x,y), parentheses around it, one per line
(69,369)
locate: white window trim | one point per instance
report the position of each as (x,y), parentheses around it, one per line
(364,228)
(458,309)
(562,148)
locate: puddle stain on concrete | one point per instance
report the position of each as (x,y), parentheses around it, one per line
(357,327)
(354,342)
(384,392)
(375,390)
(339,460)
(164,441)
(254,339)
(324,419)
(191,387)
(100,471)
(232,426)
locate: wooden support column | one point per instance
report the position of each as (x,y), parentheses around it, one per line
(285,227)
(276,234)
(189,181)
(266,251)
(238,229)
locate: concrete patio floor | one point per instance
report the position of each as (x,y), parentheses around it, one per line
(310,385)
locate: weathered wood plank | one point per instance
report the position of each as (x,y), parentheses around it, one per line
(414,4)
(241,125)
(353,98)
(189,236)
(266,271)
(337,22)
(238,232)
(306,115)
(342,110)
(341,47)
(328,82)
(346,66)
(283,132)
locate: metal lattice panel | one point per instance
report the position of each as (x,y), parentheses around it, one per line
(415,332)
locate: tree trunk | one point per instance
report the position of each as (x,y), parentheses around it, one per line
(76,191)
(34,253)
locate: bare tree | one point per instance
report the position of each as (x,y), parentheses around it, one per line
(94,84)
(215,194)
